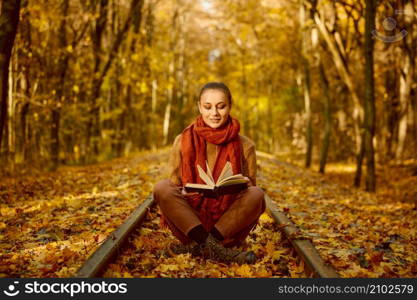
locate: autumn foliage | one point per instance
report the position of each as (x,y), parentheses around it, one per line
(51,223)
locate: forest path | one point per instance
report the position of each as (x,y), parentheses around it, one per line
(359,233)
(51,222)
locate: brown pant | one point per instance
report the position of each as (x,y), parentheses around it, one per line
(235,224)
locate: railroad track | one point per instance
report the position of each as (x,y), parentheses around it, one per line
(110,248)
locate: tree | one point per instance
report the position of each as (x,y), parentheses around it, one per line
(369,97)
(101,67)
(9,20)
(306,40)
(327,116)
(61,71)
(407,74)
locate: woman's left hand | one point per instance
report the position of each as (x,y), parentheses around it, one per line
(184,193)
(249,181)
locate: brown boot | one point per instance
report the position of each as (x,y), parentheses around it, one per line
(179,248)
(213,249)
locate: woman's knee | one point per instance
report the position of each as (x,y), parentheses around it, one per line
(160,189)
(257,195)
(256,192)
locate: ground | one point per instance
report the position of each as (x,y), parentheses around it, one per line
(51,222)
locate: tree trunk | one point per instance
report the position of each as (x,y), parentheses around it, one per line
(389,130)
(307,104)
(369,120)
(127,134)
(102,67)
(307,40)
(97,36)
(25,87)
(24,142)
(61,70)
(406,76)
(148,73)
(344,74)
(404,99)
(149,29)
(167,116)
(245,114)
(170,108)
(9,20)
(327,118)
(359,159)
(55,118)
(154,116)
(180,74)
(341,66)
(270,131)
(11,132)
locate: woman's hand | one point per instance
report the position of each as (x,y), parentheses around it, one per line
(184,193)
(249,181)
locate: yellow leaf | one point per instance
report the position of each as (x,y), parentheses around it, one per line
(265,218)
(263,272)
(165,268)
(396,247)
(276,255)
(244,271)
(270,248)
(127,275)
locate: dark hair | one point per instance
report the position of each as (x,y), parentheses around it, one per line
(216,86)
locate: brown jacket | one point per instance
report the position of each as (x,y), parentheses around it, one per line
(248,159)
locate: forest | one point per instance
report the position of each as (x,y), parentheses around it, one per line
(329,86)
(85,81)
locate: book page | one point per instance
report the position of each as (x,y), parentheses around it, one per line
(204,176)
(230,178)
(234,181)
(209,173)
(226,172)
(199,186)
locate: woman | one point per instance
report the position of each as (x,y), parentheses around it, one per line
(209,226)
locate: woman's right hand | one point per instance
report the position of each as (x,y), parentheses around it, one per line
(184,193)
(248,181)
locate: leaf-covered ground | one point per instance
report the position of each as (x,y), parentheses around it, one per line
(360,234)
(145,255)
(50,223)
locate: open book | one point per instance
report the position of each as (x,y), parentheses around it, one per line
(227,183)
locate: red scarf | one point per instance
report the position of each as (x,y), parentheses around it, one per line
(193,153)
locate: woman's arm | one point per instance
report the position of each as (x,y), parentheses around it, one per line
(174,163)
(249,159)
(251,164)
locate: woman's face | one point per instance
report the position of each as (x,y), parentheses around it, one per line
(214,108)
